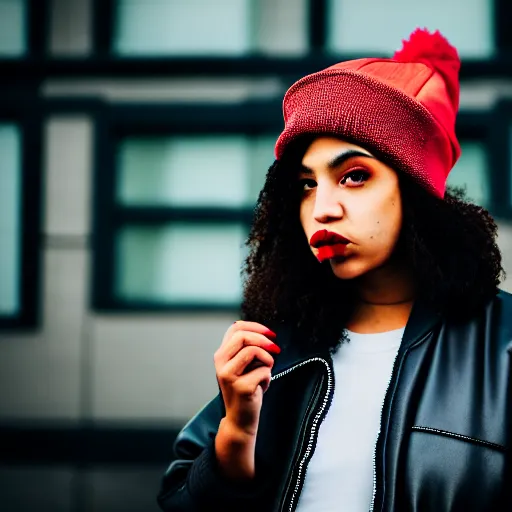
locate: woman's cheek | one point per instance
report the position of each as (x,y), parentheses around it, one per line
(378,232)
(382,239)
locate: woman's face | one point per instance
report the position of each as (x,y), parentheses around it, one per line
(351,208)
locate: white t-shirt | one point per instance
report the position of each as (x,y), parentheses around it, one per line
(340,473)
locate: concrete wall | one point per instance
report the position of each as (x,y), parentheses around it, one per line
(121,369)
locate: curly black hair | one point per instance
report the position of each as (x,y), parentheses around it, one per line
(449,244)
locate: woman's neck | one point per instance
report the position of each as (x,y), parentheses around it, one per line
(373,318)
(384,302)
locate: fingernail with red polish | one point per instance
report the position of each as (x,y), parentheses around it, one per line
(272,347)
(270,333)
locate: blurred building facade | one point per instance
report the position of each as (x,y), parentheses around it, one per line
(134,138)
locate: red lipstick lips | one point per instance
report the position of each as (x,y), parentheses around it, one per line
(329,244)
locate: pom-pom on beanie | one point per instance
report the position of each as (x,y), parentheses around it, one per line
(403,108)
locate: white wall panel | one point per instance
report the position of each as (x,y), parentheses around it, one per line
(483,94)
(282,27)
(70,28)
(154,367)
(210,89)
(68,175)
(40,373)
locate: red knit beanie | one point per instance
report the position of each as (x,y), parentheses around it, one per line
(403,108)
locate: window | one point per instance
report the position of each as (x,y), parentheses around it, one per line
(19,214)
(157,170)
(509,166)
(187,262)
(501,156)
(191,27)
(171,230)
(10,219)
(181,263)
(282,38)
(471,172)
(13,32)
(201,28)
(369,27)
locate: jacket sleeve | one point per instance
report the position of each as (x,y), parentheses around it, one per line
(508,452)
(193,482)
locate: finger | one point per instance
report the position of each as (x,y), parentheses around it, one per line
(247,385)
(242,339)
(238,365)
(242,325)
(255,363)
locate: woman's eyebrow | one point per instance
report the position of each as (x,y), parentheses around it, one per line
(338,160)
(305,170)
(345,155)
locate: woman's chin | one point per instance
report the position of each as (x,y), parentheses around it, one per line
(347,268)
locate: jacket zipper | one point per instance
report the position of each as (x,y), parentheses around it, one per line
(314,426)
(374,458)
(318,416)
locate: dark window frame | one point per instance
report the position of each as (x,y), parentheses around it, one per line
(105,15)
(318,11)
(500,157)
(26,112)
(38,65)
(38,27)
(103,63)
(118,121)
(503,33)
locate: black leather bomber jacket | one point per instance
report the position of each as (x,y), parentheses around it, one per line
(446,425)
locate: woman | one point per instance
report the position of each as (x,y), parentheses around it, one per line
(372,369)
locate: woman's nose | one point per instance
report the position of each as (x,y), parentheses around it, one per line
(327,204)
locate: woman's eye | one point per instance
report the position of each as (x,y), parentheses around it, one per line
(306,185)
(355,178)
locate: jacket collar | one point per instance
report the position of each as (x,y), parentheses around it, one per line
(423,318)
(293,352)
